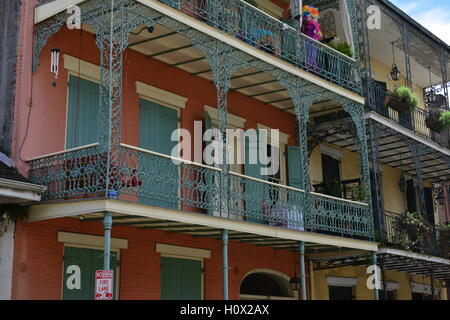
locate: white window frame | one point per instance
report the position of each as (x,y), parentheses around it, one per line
(186,253)
(85,241)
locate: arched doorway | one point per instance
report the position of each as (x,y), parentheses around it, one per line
(266,285)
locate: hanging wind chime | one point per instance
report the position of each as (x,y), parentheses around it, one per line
(54,64)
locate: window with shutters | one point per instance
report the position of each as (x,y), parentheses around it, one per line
(80,265)
(82,112)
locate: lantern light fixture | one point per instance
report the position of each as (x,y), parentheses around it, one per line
(395,72)
(431,94)
(295,282)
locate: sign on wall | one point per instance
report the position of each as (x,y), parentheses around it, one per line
(104,284)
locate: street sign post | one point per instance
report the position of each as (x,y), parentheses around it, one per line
(104,284)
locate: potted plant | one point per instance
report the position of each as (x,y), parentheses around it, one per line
(413,232)
(444,240)
(444,119)
(333,188)
(401,99)
(341,46)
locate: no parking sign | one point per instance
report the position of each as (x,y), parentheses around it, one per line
(104,284)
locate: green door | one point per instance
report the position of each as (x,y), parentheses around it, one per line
(80,266)
(181,279)
(256,193)
(295,172)
(160,175)
(82,112)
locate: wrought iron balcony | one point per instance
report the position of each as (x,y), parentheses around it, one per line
(256,28)
(159,180)
(420,237)
(415,120)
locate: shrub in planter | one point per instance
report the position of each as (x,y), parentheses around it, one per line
(444,241)
(433,120)
(413,232)
(401,99)
(342,47)
(444,119)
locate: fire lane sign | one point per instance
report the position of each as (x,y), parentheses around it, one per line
(104,284)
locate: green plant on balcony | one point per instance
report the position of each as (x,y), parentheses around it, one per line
(333,188)
(401,99)
(412,232)
(444,119)
(341,46)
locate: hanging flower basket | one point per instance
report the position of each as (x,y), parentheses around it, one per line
(402,99)
(434,124)
(396,103)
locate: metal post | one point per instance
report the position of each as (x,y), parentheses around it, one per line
(107,225)
(376,294)
(417,153)
(377,200)
(383,274)
(432,283)
(225,263)
(302,269)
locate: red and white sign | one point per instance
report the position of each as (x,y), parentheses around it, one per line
(104,284)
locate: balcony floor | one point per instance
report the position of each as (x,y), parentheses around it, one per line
(197,225)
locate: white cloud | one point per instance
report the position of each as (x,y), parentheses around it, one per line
(437,21)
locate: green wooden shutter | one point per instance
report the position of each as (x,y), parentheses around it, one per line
(295,172)
(156,126)
(82,112)
(180,279)
(88,261)
(254,190)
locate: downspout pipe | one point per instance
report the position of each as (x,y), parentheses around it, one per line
(225,263)
(107,226)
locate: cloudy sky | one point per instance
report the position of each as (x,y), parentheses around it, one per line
(432,14)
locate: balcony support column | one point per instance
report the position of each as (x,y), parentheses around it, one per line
(376,293)
(406,43)
(417,153)
(302,270)
(364,48)
(225,263)
(377,200)
(112,25)
(303,98)
(224,62)
(107,226)
(443,59)
(356,111)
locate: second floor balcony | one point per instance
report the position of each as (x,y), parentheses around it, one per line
(160,180)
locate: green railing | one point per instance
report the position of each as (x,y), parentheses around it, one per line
(160,180)
(253,26)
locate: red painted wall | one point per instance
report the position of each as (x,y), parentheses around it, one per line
(46,130)
(38,260)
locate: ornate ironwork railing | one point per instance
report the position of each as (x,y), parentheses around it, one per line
(339,217)
(78,172)
(424,238)
(414,120)
(258,29)
(160,180)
